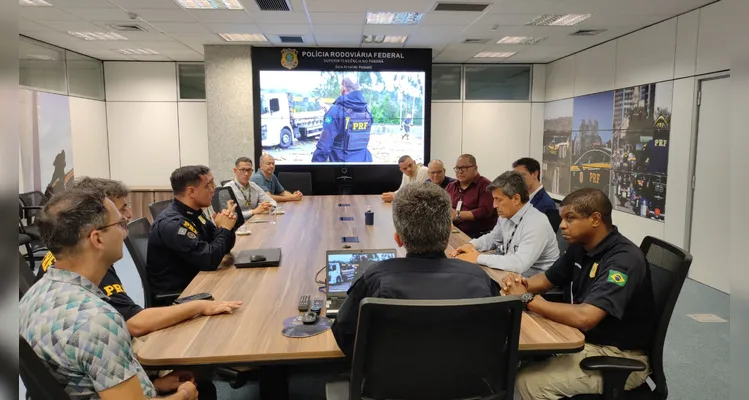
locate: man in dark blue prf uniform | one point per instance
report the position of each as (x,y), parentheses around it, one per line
(346,127)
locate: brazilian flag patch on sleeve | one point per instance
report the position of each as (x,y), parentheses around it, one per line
(617,278)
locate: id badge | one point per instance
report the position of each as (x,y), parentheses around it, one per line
(459,206)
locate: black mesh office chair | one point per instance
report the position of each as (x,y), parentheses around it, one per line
(225,182)
(29,205)
(39,382)
(137,245)
(159,206)
(554,218)
(25,276)
(669,266)
(293,181)
(434,349)
(220,197)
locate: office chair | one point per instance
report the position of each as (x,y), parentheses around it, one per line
(220,197)
(224,182)
(434,349)
(25,276)
(669,266)
(29,204)
(554,219)
(157,207)
(39,382)
(293,181)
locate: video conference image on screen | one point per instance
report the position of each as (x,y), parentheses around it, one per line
(330,117)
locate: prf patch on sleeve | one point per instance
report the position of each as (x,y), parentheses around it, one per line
(190,227)
(48,260)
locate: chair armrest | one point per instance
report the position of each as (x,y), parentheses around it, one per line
(615,372)
(617,364)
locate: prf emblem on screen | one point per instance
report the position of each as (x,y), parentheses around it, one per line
(289,59)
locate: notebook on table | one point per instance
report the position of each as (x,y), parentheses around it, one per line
(343,268)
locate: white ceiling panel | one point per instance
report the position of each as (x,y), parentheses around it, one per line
(337,40)
(399,5)
(280,17)
(229,16)
(181,27)
(158,4)
(82,4)
(337,18)
(339,30)
(26,26)
(389,29)
(164,15)
(233,28)
(151,58)
(344,6)
(162,46)
(276,29)
(529,7)
(38,14)
(186,56)
(99,14)
(65,26)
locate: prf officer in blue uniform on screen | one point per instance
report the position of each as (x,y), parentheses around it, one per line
(346,127)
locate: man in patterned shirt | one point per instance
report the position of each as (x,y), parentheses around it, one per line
(82,339)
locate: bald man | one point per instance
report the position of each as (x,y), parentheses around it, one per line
(346,127)
(437,175)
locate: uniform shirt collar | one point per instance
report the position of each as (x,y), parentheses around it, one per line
(521,213)
(606,243)
(440,254)
(72,278)
(185,210)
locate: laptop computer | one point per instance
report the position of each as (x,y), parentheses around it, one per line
(343,268)
(269,258)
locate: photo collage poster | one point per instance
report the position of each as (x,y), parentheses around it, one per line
(615,141)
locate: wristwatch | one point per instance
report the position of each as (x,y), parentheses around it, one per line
(526,298)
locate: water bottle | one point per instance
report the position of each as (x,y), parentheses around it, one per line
(369,216)
(274,215)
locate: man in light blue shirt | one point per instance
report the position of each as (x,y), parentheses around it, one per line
(265,178)
(523,240)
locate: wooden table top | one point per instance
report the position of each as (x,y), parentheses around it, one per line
(305,232)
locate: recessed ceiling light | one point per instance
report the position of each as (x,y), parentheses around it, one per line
(389,18)
(383,39)
(243,37)
(138,52)
(34,3)
(97,35)
(520,40)
(210,4)
(560,20)
(494,54)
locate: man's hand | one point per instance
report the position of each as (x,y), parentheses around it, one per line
(297,195)
(171,382)
(388,197)
(210,307)
(188,390)
(514,284)
(466,248)
(454,214)
(470,256)
(227,261)
(262,208)
(226,218)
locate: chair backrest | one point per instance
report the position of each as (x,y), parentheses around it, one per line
(220,197)
(39,382)
(159,206)
(554,218)
(136,242)
(29,199)
(436,349)
(25,275)
(225,181)
(669,266)
(293,181)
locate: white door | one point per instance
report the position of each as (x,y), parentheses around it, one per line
(710,219)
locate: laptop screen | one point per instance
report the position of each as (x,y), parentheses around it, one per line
(342,266)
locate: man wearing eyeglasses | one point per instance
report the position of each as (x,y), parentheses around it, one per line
(473,205)
(437,175)
(252,198)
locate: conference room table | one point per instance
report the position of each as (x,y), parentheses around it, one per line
(304,232)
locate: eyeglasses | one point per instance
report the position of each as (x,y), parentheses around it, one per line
(463,169)
(122,223)
(244,170)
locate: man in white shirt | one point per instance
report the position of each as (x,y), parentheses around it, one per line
(523,239)
(251,198)
(412,172)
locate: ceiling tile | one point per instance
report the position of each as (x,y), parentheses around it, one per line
(343,6)
(389,30)
(280,17)
(337,18)
(233,28)
(186,56)
(151,58)
(164,15)
(230,16)
(340,30)
(82,4)
(444,18)
(181,27)
(163,46)
(276,29)
(157,4)
(309,40)
(337,40)
(450,58)
(399,5)
(46,14)
(100,14)
(78,26)
(533,7)
(26,26)
(198,40)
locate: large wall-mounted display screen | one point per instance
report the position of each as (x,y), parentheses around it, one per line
(341,106)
